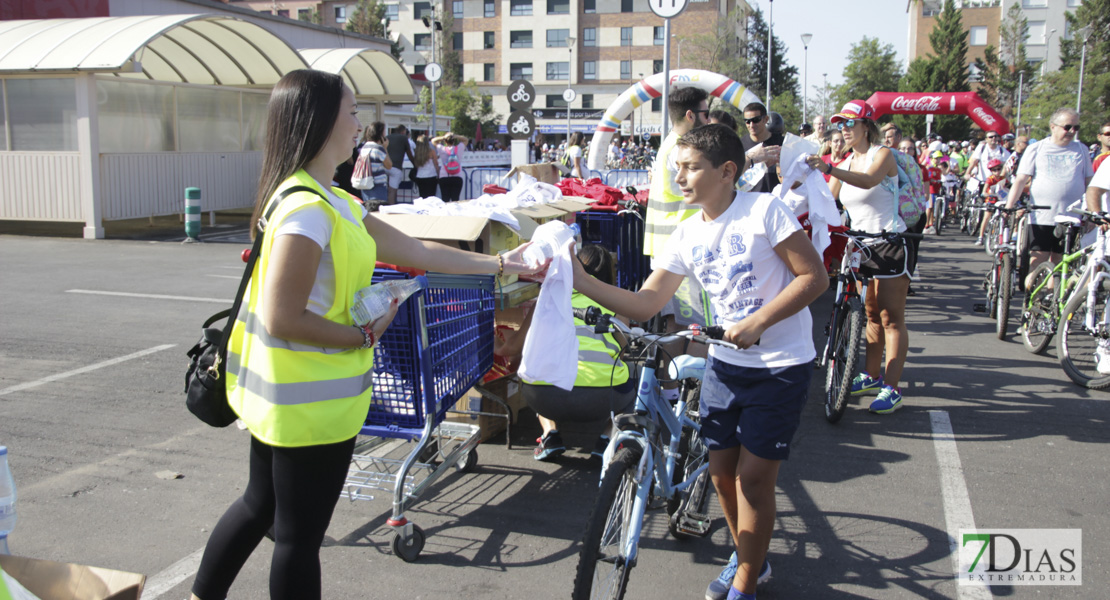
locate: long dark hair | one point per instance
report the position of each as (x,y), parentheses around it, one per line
(598,262)
(300,116)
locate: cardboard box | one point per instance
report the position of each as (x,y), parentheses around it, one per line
(506,388)
(61,581)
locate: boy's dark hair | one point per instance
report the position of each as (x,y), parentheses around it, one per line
(756,106)
(598,262)
(718,144)
(684,99)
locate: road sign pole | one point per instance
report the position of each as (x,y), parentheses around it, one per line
(666,78)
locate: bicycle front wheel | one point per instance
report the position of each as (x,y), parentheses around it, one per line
(602,567)
(1077,348)
(1005,287)
(843,364)
(1038,321)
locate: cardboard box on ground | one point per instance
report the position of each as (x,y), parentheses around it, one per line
(61,581)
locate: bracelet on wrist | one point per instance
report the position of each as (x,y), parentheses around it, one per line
(500,264)
(829,170)
(368,339)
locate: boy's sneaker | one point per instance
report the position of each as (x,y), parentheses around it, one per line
(719,587)
(599,447)
(866,384)
(549,446)
(888,401)
(1102,358)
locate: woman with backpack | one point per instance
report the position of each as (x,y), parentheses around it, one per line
(373,151)
(450,149)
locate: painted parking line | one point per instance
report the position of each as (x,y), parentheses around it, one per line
(67,374)
(168,579)
(957,503)
(151,296)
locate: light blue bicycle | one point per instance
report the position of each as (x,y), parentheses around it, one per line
(657,453)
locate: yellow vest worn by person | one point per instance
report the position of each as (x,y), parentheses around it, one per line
(596,353)
(291,394)
(665,209)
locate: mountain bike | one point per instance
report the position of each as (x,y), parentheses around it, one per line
(1000,280)
(1083,348)
(655,454)
(1051,286)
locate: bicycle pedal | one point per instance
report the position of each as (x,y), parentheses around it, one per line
(694,524)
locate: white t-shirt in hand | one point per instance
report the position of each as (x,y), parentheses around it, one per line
(1059,176)
(733,258)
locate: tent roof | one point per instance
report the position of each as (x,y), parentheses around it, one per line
(200,49)
(370,73)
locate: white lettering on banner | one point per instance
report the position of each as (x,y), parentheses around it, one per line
(924,104)
(982,114)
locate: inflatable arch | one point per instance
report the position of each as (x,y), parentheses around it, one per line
(940,103)
(652,87)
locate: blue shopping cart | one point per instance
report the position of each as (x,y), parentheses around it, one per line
(438,347)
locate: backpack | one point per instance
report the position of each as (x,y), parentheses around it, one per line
(451,165)
(913,196)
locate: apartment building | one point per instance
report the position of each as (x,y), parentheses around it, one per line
(982,18)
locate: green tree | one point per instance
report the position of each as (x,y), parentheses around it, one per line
(790,108)
(1012,31)
(466,104)
(945,70)
(918,78)
(313,16)
(368,18)
(448,58)
(992,75)
(717,51)
(784,76)
(871,68)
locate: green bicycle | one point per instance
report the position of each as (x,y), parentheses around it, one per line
(1050,288)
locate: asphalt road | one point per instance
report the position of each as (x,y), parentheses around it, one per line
(91,406)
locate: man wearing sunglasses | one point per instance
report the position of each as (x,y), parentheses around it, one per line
(755,120)
(984,153)
(1104,145)
(1059,168)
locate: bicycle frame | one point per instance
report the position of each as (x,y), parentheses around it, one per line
(1067,281)
(1089,285)
(848,284)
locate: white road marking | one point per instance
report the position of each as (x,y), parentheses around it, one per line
(99,365)
(168,579)
(957,503)
(152,296)
(237,277)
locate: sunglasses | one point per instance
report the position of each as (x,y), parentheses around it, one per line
(1104,133)
(992,137)
(841,126)
(753,120)
(1068,128)
(701,112)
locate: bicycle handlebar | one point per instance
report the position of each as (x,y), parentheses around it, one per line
(889,236)
(712,335)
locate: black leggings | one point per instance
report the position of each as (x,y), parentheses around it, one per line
(294,490)
(450,188)
(427,186)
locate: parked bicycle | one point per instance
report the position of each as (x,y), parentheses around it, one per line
(1000,281)
(656,454)
(1051,285)
(1083,347)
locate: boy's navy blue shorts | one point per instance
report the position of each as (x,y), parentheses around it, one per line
(758,409)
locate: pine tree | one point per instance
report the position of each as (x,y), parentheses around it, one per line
(918,78)
(784,77)
(945,70)
(368,18)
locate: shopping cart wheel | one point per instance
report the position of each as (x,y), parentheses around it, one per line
(469,462)
(409,549)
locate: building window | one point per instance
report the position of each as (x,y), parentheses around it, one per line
(626,36)
(557,38)
(973,74)
(589,6)
(340,14)
(457,9)
(626,69)
(589,37)
(1074,3)
(978,36)
(490,8)
(520,39)
(422,41)
(520,71)
(457,40)
(587,100)
(1035,33)
(421,10)
(558,71)
(1034,3)
(418,69)
(487,72)
(304,14)
(393,11)
(626,6)
(283,12)
(487,40)
(520,8)
(657,66)
(558,7)
(556,101)
(658,37)
(657,104)
(589,69)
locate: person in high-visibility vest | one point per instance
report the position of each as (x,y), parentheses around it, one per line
(299,369)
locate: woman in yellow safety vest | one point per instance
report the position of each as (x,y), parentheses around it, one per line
(299,369)
(603,384)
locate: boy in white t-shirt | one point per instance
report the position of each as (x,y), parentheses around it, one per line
(750,254)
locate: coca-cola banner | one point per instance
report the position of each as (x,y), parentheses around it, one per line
(940,103)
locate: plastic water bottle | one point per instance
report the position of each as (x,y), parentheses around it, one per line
(7,501)
(373,302)
(547,240)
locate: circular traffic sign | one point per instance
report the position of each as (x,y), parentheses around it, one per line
(646,135)
(433,72)
(569,95)
(521,94)
(521,124)
(667,8)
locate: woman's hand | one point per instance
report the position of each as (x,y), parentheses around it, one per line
(514,261)
(380,324)
(814,161)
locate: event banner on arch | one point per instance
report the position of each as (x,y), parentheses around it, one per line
(940,103)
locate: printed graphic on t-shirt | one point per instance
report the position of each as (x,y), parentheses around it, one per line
(1060,167)
(725,270)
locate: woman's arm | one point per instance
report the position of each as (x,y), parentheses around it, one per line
(387,163)
(397,248)
(652,297)
(882,166)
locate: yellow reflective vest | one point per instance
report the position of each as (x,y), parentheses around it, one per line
(597,353)
(291,394)
(665,209)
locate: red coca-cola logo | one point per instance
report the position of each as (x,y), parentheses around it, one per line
(982,114)
(924,104)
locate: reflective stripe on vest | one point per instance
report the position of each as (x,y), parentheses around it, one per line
(666,208)
(597,353)
(290,393)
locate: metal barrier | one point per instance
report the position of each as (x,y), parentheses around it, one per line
(476,178)
(620,178)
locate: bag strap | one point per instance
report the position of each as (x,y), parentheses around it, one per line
(233,312)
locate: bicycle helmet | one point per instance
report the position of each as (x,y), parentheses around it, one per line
(775,123)
(1009,137)
(994,164)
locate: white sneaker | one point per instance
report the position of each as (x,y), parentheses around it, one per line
(930,230)
(979,242)
(1102,358)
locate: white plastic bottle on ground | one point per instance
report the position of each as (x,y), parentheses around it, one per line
(7,500)
(373,302)
(547,239)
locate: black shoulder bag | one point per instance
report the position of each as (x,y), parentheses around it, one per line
(205,385)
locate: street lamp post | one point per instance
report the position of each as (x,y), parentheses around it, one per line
(680,40)
(1085,32)
(770,36)
(433,25)
(641,109)
(1047,48)
(570,61)
(824,93)
(806,38)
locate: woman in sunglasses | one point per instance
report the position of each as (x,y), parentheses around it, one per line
(867,185)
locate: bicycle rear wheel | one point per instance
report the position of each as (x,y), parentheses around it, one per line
(843,362)
(1077,346)
(602,569)
(1038,321)
(1005,287)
